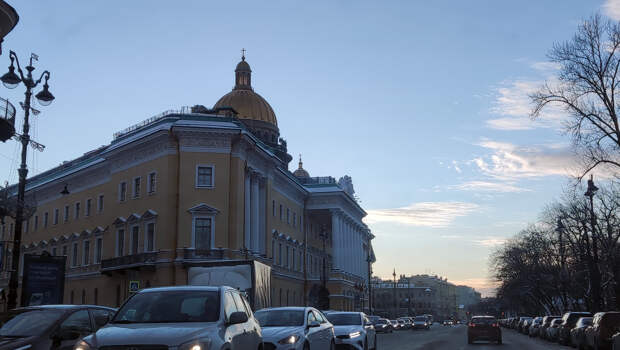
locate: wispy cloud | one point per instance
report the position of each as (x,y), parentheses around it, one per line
(429,214)
(612,9)
(490,241)
(488,186)
(510,162)
(513,105)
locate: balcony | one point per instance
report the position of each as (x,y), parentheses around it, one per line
(7,120)
(203,254)
(129,262)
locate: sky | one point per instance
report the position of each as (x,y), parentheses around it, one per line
(423,103)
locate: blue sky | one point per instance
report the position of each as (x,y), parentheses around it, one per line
(423,103)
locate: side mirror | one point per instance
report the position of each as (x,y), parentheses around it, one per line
(67,334)
(314,324)
(238,317)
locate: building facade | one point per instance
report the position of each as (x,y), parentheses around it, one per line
(193,186)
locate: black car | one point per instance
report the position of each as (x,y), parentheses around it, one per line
(483,328)
(569,320)
(51,326)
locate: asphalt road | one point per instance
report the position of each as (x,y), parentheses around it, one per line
(455,338)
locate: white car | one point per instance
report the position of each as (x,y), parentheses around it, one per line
(353,329)
(182,318)
(295,328)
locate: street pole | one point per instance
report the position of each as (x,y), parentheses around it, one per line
(11,80)
(369,261)
(596,275)
(395,301)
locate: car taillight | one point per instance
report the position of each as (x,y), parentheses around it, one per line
(472,324)
(494,325)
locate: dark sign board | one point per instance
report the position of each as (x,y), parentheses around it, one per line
(43,281)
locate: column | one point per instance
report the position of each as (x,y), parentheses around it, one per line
(262,230)
(350,247)
(247,223)
(335,240)
(254,213)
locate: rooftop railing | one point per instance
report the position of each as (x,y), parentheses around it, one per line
(153,119)
(317,180)
(7,120)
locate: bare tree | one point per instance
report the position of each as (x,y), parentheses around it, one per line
(586,89)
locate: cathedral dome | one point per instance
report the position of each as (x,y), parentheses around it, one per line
(248,104)
(301,172)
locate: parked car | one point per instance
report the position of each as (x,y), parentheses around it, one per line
(182,317)
(421,322)
(353,329)
(483,327)
(604,325)
(532,330)
(569,320)
(448,322)
(526,326)
(546,322)
(406,322)
(522,321)
(553,329)
(51,326)
(384,326)
(373,319)
(295,328)
(578,335)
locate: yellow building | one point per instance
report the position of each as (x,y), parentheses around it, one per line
(192,186)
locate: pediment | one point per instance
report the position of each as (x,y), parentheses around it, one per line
(203,208)
(120,221)
(133,218)
(149,214)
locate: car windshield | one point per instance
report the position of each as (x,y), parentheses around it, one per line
(382,321)
(346,319)
(170,306)
(29,323)
(483,320)
(420,318)
(280,318)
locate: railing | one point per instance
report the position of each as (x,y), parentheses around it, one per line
(317,180)
(183,110)
(129,261)
(210,254)
(7,120)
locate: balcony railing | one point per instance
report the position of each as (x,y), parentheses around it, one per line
(7,120)
(203,254)
(129,261)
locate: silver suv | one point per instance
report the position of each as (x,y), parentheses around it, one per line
(180,318)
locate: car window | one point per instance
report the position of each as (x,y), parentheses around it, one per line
(101,317)
(311,318)
(280,317)
(483,320)
(247,305)
(229,305)
(319,317)
(171,306)
(30,322)
(239,303)
(78,321)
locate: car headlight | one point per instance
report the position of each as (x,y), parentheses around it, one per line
(81,345)
(291,339)
(196,344)
(354,335)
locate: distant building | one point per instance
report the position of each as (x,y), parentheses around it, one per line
(420,294)
(193,186)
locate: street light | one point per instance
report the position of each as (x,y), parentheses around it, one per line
(596,278)
(11,80)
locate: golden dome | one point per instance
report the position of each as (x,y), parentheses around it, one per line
(247,103)
(301,172)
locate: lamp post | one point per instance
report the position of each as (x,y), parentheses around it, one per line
(369,261)
(11,80)
(596,276)
(395,300)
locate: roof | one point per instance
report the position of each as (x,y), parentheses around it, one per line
(63,307)
(291,308)
(182,288)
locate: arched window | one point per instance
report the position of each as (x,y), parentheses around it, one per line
(71,299)
(83,296)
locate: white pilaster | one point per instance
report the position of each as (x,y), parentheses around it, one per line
(247,221)
(255,213)
(336,240)
(262,204)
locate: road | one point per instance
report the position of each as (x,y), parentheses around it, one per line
(455,338)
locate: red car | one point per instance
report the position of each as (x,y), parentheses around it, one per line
(484,328)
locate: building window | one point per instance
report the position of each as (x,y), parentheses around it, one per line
(152,182)
(136,187)
(120,242)
(118,295)
(294,219)
(280,254)
(202,233)
(288,264)
(71,299)
(100,203)
(273,208)
(36,222)
(98,250)
(122,191)
(96,296)
(89,203)
(204,176)
(66,216)
(74,255)
(301,227)
(77,210)
(135,236)
(64,250)
(281,212)
(288,216)
(45,219)
(293,259)
(273,251)
(149,244)
(301,259)
(86,257)
(83,296)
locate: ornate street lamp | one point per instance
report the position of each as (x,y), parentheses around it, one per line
(596,296)
(11,80)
